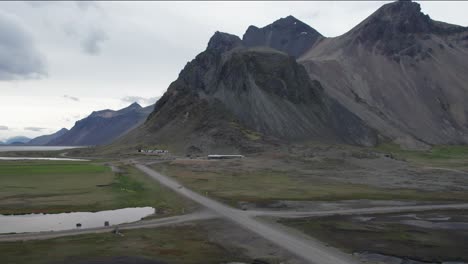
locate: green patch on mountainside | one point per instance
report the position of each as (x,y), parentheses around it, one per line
(443,155)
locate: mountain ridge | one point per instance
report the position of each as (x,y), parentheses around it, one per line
(104,126)
(232,97)
(399,71)
(45,139)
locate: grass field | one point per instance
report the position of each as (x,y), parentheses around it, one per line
(445,156)
(384,234)
(58,186)
(186,245)
(264,186)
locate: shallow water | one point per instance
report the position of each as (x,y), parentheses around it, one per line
(436,225)
(36,148)
(67,221)
(40,158)
(380,258)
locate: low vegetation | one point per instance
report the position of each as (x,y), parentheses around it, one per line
(264,186)
(185,244)
(447,156)
(58,186)
(386,235)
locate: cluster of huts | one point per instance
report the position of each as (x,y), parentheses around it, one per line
(153,151)
(216,156)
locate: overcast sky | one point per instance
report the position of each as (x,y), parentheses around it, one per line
(59,61)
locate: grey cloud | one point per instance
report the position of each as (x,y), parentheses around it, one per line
(19,58)
(76,99)
(36,129)
(3,128)
(85,5)
(40,3)
(92,43)
(140,100)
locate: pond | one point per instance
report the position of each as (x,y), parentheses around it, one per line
(36,148)
(67,221)
(41,158)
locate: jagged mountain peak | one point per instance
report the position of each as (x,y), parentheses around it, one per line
(287,34)
(399,29)
(402,18)
(222,42)
(135,105)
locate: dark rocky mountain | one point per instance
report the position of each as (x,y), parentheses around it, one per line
(231,98)
(400,71)
(287,34)
(45,139)
(103,127)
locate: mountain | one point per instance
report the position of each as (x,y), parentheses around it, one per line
(233,98)
(102,127)
(45,139)
(288,34)
(401,72)
(17,140)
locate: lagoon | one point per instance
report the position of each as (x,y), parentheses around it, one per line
(68,221)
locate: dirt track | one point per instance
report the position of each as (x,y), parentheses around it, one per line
(310,250)
(141,224)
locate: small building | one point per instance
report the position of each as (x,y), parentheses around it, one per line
(153,151)
(217,156)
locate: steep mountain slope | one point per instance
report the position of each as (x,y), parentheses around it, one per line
(400,71)
(232,98)
(45,139)
(287,34)
(102,127)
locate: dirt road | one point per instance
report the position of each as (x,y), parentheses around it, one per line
(203,215)
(310,250)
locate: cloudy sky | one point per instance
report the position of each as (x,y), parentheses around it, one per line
(59,61)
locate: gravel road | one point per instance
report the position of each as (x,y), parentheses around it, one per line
(311,251)
(203,215)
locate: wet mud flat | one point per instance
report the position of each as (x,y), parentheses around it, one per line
(426,237)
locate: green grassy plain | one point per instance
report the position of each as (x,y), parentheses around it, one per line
(58,186)
(265,186)
(187,245)
(444,156)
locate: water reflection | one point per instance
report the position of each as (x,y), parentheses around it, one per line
(34,158)
(67,221)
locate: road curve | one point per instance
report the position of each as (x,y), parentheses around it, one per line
(309,250)
(140,224)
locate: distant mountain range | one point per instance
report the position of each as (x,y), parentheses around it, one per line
(102,127)
(99,128)
(45,139)
(19,140)
(397,76)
